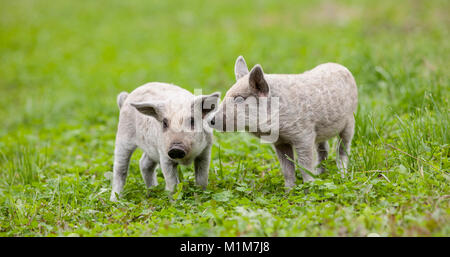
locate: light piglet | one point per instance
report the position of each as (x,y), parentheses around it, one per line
(169,124)
(310,108)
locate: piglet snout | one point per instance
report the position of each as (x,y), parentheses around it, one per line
(177,151)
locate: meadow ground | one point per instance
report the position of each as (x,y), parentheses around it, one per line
(62,63)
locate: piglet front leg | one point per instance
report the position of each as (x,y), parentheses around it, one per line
(201,165)
(286,157)
(305,154)
(170,173)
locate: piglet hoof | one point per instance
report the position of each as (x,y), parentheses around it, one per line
(203,188)
(308,179)
(288,188)
(320,170)
(113,197)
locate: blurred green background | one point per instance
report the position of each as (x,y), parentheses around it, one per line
(62,63)
(65,62)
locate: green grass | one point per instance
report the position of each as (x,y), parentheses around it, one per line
(62,63)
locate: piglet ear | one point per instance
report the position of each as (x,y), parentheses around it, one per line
(153,109)
(206,103)
(257,82)
(240,68)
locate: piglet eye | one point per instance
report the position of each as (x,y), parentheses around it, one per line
(165,123)
(192,122)
(239,99)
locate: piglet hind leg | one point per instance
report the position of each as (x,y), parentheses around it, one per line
(285,155)
(122,155)
(343,148)
(147,167)
(322,154)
